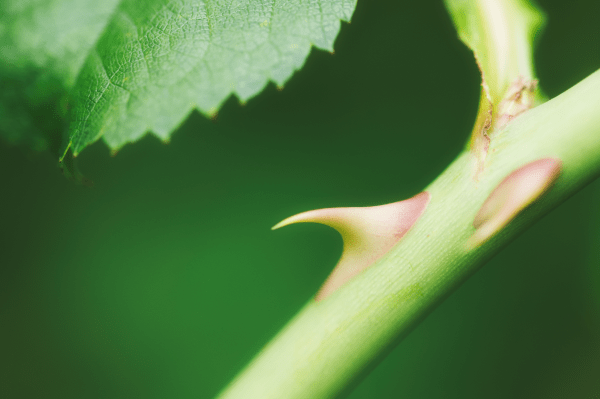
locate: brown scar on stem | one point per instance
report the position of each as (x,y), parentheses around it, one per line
(480,139)
(516,192)
(368,233)
(519,97)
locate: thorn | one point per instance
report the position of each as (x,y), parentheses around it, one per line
(368,233)
(515,193)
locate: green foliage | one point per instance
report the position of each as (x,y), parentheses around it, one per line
(118,69)
(44,45)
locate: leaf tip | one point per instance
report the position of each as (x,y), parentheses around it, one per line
(64,154)
(213,113)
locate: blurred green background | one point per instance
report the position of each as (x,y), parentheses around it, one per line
(164,279)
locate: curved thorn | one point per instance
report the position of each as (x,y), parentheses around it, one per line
(368,233)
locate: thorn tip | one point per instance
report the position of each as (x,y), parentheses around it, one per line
(368,233)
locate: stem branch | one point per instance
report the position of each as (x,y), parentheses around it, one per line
(329,345)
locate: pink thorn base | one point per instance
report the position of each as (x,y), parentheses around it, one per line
(368,233)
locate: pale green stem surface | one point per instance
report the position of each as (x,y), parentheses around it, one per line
(501,34)
(329,345)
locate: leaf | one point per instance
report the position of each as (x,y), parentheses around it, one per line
(43,45)
(130,66)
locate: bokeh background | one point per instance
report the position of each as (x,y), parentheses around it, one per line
(164,279)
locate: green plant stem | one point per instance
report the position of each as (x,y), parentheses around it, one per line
(329,345)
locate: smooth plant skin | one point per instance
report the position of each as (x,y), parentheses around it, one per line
(502,35)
